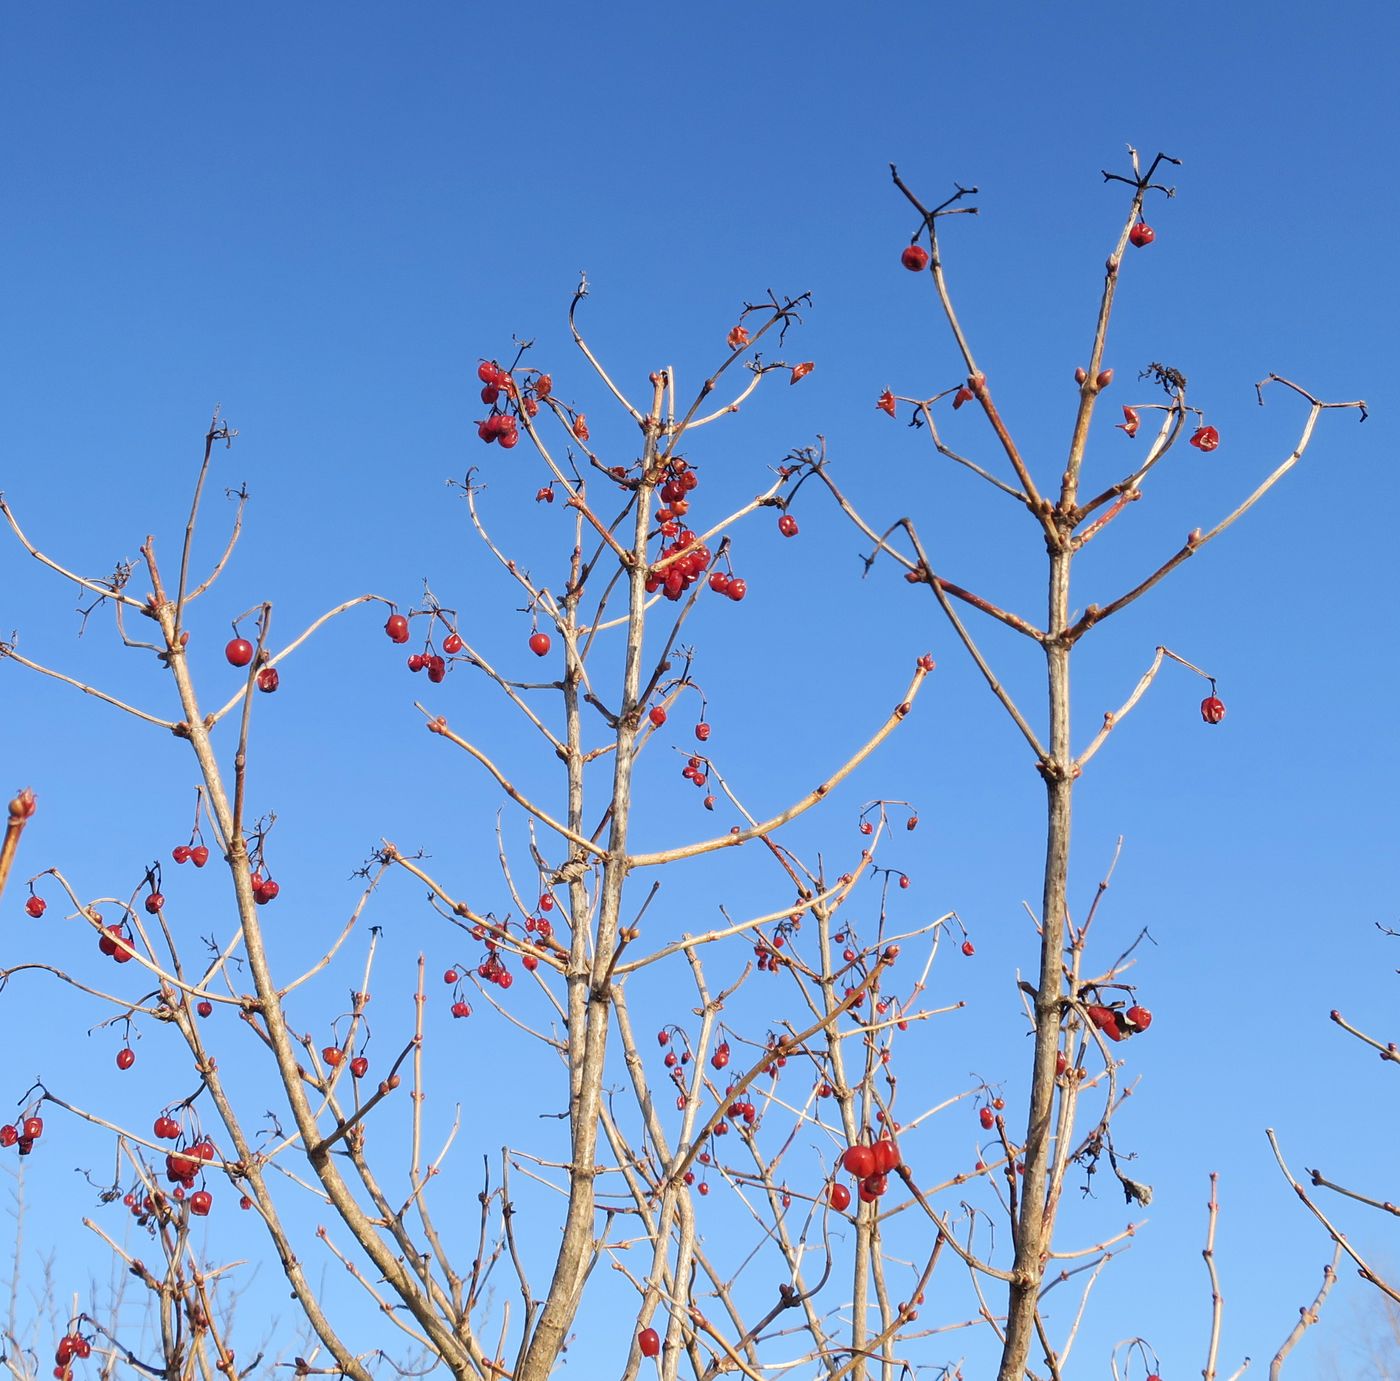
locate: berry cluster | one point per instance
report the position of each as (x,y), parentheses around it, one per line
(501,424)
(870,1165)
(114,941)
(24,1136)
(72,1346)
(1119,1025)
(190,853)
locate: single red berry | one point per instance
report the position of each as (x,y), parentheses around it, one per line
(154,902)
(1212,709)
(266,892)
(126,1057)
(1141,234)
(201,1201)
(33,1128)
(721,1056)
(719,582)
(914,258)
(181,853)
(359,1066)
(1205,438)
(1139,1016)
(268,680)
(858,1161)
(460,1009)
(452,644)
(649,1342)
(437,670)
(239,652)
(36,906)
(787,525)
(657,715)
(968,948)
(999,1103)
(736,589)
(904,880)
(199,855)
(866,827)
(397,628)
(539,644)
(9,1134)
(886,1155)
(489,372)
(332,1055)
(872,1187)
(886,402)
(451,976)
(839,1197)
(987,1118)
(205,1008)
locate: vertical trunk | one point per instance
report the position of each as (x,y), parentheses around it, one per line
(1035,1223)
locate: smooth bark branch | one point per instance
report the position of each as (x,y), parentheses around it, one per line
(1307,1316)
(800,807)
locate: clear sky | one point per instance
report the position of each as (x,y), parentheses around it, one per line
(323,216)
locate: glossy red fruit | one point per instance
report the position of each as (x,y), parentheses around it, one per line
(269,891)
(886,1155)
(450,976)
(460,1009)
(987,1118)
(359,1066)
(539,644)
(268,680)
(649,1341)
(872,1187)
(33,1128)
(886,402)
(1212,709)
(332,1055)
(204,1007)
(839,1197)
(914,258)
(736,589)
(9,1134)
(396,626)
(1141,234)
(1139,1016)
(858,1161)
(437,670)
(154,902)
(239,652)
(199,855)
(36,906)
(702,732)
(968,948)
(657,715)
(452,644)
(1205,438)
(126,1057)
(787,525)
(201,1201)
(181,853)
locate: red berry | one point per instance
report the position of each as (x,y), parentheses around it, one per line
(489,372)
(181,853)
(199,855)
(204,1007)
(268,680)
(1205,438)
(914,258)
(872,1187)
(736,589)
(1139,1017)
(33,1128)
(126,1057)
(1212,710)
(437,670)
(239,652)
(8,1135)
(649,1342)
(839,1197)
(452,644)
(539,644)
(719,582)
(359,1066)
(1142,234)
(968,948)
(451,976)
(267,892)
(987,1118)
(460,1009)
(36,906)
(787,525)
(201,1201)
(332,1055)
(657,715)
(397,628)
(154,902)
(858,1161)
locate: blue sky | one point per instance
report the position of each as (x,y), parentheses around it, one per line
(322,217)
